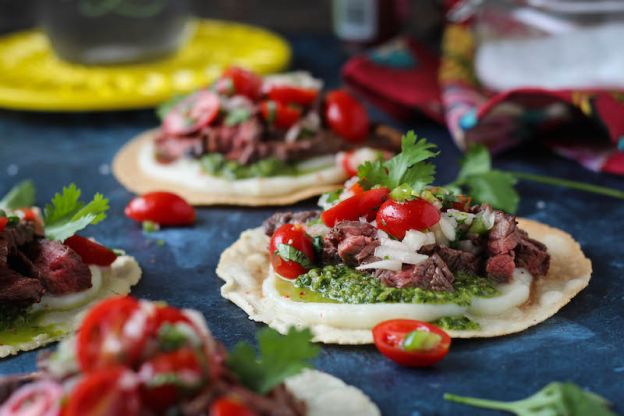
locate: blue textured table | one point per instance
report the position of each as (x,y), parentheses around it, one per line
(582,343)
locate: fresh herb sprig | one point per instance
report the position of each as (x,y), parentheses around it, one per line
(290,253)
(21,195)
(67,214)
(556,399)
(281,356)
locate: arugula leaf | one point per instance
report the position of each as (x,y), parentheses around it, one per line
(485,184)
(67,214)
(406,168)
(556,399)
(21,195)
(281,356)
(290,253)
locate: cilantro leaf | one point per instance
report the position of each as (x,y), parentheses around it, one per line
(290,253)
(476,161)
(495,188)
(67,214)
(557,399)
(281,356)
(21,195)
(406,168)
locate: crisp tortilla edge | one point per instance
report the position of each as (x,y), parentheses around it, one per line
(124,273)
(570,272)
(128,172)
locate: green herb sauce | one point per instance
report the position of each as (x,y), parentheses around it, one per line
(216,165)
(346,285)
(457,323)
(287,289)
(18,326)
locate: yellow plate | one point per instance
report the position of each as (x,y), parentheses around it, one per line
(33,78)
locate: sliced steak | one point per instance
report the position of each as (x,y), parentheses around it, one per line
(17,289)
(458,260)
(500,267)
(59,268)
(280,218)
(351,242)
(532,255)
(504,236)
(11,238)
(170,148)
(431,274)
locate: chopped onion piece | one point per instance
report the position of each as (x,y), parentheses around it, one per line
(447,226)
(396,245)
(415,239)
(461,216)
(389,253)
(393,265)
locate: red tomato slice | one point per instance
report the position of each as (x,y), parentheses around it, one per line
(279,115)
(294,235)
(346,116)
(287,94)
(229,407)
(90,251)
(3,223)
(182,368)
(244,82)
(364,204)
(41,398)
(396,218)
(192,113)
(101,340)
(109,392)
(164,208)
(389,336)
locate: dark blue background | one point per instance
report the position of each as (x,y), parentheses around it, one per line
(582,343)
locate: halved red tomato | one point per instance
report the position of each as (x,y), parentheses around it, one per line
(229,407)
(346,116)
(364,204)
(103,340)
(90,251)
(41,398)
(192,113)
(3,223)
(390,337)
(167,376)
(279,115)
(396,218)
(108,392)
(295,236)
(163,208)
(244,82)
(288,94)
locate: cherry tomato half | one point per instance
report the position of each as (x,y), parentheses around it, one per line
(109,392)
(396,218)
(102,341)
(279,115)
(294,235)
(363,204)
(90,251)
(389,337)
(182,371)
(244,82)
(34,399)
(163,208)
(287,94)
(346,116)
(3,223)
(192,113)
(229,407)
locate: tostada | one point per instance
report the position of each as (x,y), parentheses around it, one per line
(251,140)
(49,274)
(390,245)
(134,358)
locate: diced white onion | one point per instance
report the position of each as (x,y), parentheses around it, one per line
(440,238)
(414,239)
(447,226)
(317,230)
(461,216)
(488,219)
(393,265)
(382,235)
(395,245)
(389,253)
(429,238)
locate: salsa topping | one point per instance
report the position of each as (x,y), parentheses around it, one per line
(162,208)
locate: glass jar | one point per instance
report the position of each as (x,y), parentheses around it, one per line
(554,44)
(96,32)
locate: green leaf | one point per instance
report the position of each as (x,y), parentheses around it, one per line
(281,356)
(164,108)
(290,253)
(67,214)
(21,195)
(372,173)
(495,188)
(555,399)
(476,161)
(237,116)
